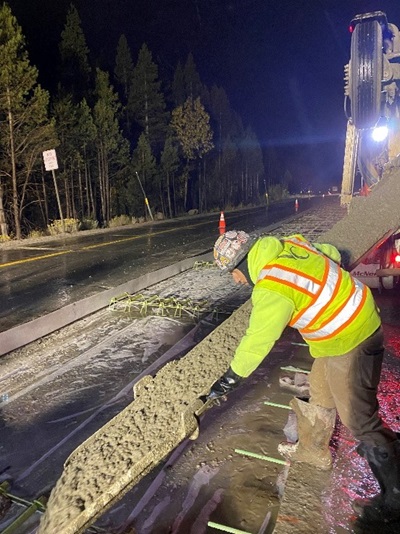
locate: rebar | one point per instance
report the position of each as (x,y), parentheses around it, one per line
(262,457)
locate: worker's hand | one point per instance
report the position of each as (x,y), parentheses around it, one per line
(239,277)
(224,385)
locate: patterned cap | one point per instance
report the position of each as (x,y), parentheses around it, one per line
(231,247)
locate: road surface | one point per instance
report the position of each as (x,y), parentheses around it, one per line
(44,276)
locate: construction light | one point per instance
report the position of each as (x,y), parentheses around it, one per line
(380,133)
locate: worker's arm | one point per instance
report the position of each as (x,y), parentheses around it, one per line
(269,317)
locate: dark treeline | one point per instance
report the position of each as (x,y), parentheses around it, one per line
(128,144)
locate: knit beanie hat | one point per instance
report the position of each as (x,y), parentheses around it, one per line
(231,247)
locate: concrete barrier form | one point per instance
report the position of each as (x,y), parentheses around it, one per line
(26,333)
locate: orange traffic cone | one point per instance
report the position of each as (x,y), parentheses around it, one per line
(296,205)
(222,225)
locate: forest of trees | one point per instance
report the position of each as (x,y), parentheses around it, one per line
(121,137)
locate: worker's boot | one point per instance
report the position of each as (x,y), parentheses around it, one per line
(315,426)
(384,462)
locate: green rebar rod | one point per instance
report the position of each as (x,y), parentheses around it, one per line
(35,506)
(117,300)
(295,369)
(203,264)
(262,457)
(5,486)
(276,405)
(166,306)
(226,529)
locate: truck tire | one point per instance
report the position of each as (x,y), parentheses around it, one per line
(366,74)
(349,164)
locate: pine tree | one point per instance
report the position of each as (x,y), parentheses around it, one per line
(222,118)
(76,132)
(123,73)
(64,112)
(193,85)
(169,166)
(252,166)
(123,70)
(85,135)
(75,68)
(178,86)
(191,124)
(146,101)
(187,83)
(230,173)
(112,147)
(25,130)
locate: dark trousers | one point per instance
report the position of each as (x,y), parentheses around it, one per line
(349,383)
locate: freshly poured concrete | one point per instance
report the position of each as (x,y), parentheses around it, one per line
(138,438)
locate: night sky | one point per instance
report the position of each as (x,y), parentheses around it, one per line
(280,62)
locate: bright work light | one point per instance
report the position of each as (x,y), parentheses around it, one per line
(380,133)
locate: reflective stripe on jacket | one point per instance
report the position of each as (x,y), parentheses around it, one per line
(327,299)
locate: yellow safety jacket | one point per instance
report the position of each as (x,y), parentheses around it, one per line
(302,285)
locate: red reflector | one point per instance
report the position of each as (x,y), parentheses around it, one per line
(351,29)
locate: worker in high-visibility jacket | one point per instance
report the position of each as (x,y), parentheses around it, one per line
(302,285)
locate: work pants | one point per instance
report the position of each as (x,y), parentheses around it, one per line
(349,383)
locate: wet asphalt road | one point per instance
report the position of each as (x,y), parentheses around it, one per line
(37,279)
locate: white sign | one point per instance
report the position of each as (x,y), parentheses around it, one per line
(365,270)
(50,160)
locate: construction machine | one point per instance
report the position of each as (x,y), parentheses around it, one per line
(372,107)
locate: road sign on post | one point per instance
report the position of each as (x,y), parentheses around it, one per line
(51,164)
(50,160)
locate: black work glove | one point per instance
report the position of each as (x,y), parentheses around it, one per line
(224,385)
